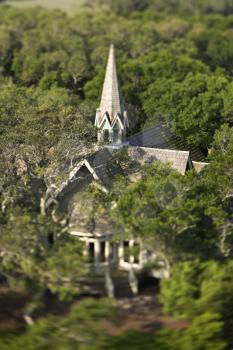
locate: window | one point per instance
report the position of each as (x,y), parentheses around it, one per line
(136,252)
(105,135)
(126,251)
(102,251)
(50,238)
(91,251)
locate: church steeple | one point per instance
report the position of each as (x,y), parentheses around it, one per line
(111,100)
(111,117)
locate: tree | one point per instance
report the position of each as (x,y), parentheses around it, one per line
(124,7)
(194,108)
(168,212)
(201,293)
(76,330)
(206,333)
(40,256)
(42,132)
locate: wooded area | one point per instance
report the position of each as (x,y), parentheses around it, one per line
(175,61)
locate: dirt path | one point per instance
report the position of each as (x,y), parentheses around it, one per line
(144,314)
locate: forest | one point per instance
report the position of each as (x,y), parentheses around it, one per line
(175,62)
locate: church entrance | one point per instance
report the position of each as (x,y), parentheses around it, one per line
(148,284)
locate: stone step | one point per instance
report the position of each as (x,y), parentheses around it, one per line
(95,285)
(121,285)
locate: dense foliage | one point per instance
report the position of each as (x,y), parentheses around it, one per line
(175,62)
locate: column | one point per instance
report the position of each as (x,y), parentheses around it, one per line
(107,252)
(115,258)
(121,253)
(133,281)
(85,248)
(131,247)
(109,283)
(97,252)
(141,255)
(100,136)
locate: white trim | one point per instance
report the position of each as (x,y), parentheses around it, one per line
(91,170)
(78,167)
(75,170)
(115,120)
(89,234)
(126,119)
(200,163)
(105,118)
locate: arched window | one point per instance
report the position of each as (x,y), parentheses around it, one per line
(105,135)
(116,134)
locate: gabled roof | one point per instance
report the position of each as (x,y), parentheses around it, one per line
(111,101)
(179,160)
(161,137)
(101,167)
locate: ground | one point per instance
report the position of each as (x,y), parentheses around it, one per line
(11,306)
(142,313)
(70,6)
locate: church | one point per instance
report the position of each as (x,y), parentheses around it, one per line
(105,253)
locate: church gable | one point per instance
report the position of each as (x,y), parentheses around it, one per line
(99,168)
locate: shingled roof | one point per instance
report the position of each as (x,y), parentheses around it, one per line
(161,137)
(179,160)
(104,166)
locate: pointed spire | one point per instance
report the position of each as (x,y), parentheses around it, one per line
(111,100)
(111,117)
